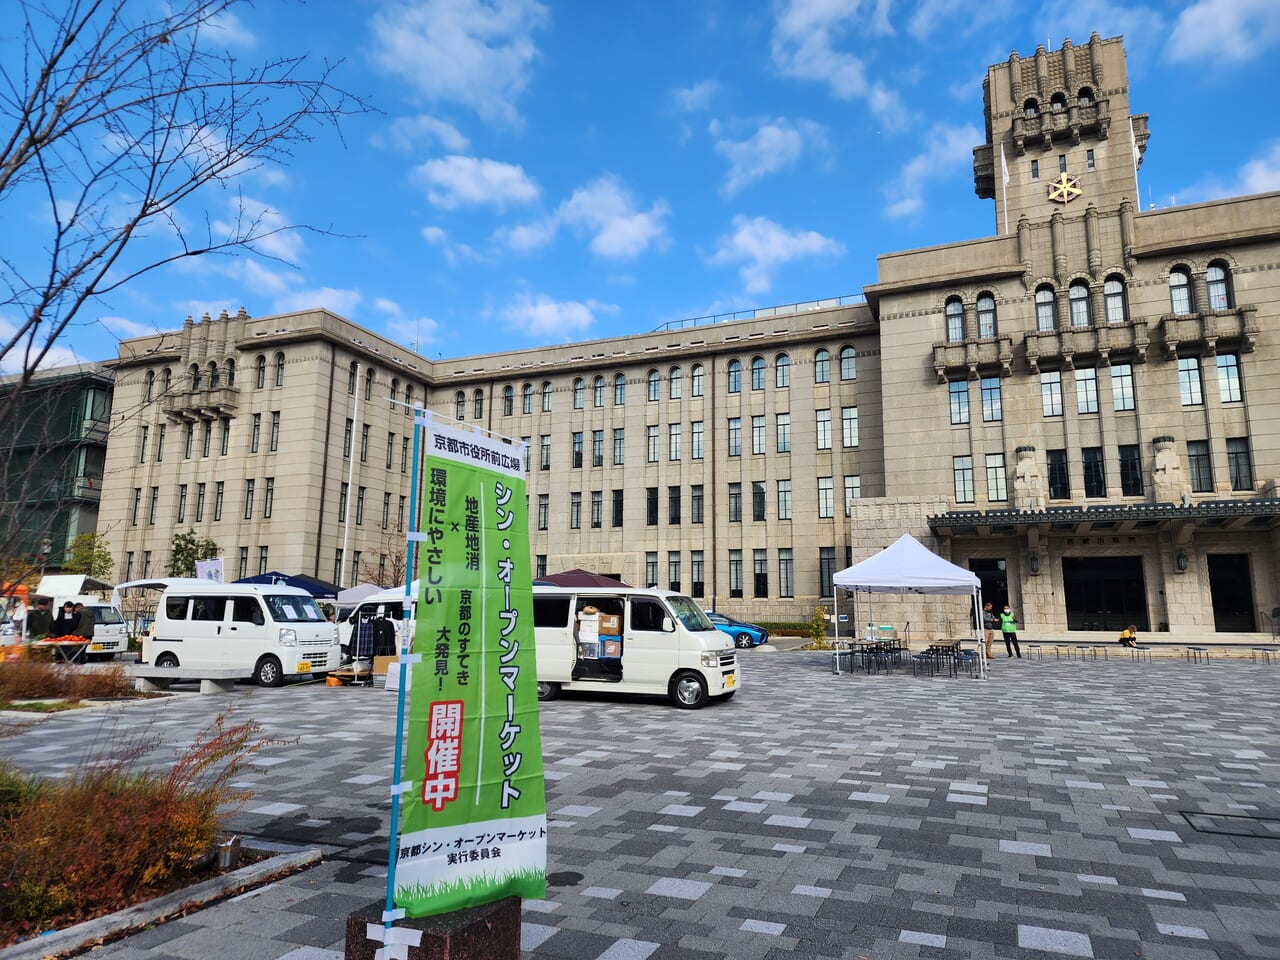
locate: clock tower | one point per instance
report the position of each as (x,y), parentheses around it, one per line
(1060,136)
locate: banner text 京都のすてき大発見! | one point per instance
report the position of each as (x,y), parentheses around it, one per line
(473,825)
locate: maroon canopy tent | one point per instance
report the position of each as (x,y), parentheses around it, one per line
(580,578)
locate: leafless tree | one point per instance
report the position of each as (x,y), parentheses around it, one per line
(388,569)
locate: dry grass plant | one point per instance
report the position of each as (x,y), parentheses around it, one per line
(36,680)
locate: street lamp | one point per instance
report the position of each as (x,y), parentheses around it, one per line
(46,548)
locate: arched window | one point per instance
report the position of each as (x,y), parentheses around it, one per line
(167,380)
(231,373)
(1085,97)
(619,389)
(195,376)
(279,369)
(822,365)
(408,399)
(986,315)
(546,396)
(459,405)
(368,384)
(848,363)
(579,393)
(675,383)
(782,371)
(955,320)
(1218,281)
(735,376)
(757,373)
(1058,102)
(526,398)
(1078,298)
(1113,300)
(395,390)
(654,385)
(1030,109)
(1045,308)
(597,392)
(213,375)
(477,402)
(151,385)
(1180,290)
(508,400)
(261,380)
(353,378)
(695,380)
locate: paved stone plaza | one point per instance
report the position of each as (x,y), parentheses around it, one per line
(1062,809)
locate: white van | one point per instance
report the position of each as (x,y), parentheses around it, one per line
(110,635)
(269,630)
(630,641)
(377,624)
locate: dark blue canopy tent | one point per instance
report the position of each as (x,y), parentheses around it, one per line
(317,588)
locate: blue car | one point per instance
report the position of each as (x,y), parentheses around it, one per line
(744,634)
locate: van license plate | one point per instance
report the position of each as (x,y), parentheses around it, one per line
(95,647)
(728,679)
(304,666)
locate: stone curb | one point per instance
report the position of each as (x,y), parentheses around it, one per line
(84,936)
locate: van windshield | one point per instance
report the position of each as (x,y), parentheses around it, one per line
(289,609)
(689,614)
(107,615)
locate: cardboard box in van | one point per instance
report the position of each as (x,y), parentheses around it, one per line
(610,625)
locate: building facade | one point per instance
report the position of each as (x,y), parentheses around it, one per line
(1081,408)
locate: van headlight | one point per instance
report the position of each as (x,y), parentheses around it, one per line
(288,637)
(711,658)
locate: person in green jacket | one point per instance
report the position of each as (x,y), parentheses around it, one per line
(1009,627)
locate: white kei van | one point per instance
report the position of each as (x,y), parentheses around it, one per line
(664,644)
(110,635)
(269,630)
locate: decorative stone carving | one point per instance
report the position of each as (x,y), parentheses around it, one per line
(1168,476)
(1030,488)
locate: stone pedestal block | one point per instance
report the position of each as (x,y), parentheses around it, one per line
(490,932)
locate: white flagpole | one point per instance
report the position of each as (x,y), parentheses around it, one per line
(1004,186)
(1133,148)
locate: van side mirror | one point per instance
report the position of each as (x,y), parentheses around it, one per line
(668,626)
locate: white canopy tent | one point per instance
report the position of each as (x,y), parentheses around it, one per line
(907,566)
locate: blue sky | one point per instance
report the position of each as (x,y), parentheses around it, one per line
(546,172)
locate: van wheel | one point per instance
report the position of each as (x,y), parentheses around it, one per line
(743,640)
(268,673)
(689,691)
(548,690)
(168,661)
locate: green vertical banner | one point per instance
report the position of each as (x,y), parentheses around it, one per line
(473,822)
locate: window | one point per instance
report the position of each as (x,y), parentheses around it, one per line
(1095,473)
(673,506)
(544,508)
(577,449)
(1059,487)
(391,449)
(826,498)
(1058,103)
(546,396)
(1229,378)
(409,407)
(697,585)
(1219,287)
(146,563)
(182,503)
(619,446)
(619,390)
(735,503)
(826,570)
(695,440)
(1087,390)
(244,562)
(1122,386)
(695,503)
(784,500)
(959,399)
(1078,299)
(404,453)
(248,499)
(823,420)
(368,384)
(526,398)
(992,410)
(1130,470)
(279,369)
(1085,99)
(544,451)
(852,491)
(757,434)
(262,560)
(137,505)
(615,518)
(386,510)
(695,380)
(962,478)
(597,448)
(760,573)
(579,393)
(986,315)
(160,443)
(400,515)
(219,491)
(260,378)
(651,443)
(997,488)
(151,386)
(364,443)
(651,506)
(735,436)
(1062,157)
(955,320)
(353,378)
(143,439)
(575,510)
(1045,305)
(226,436)
(735,376)
(1035,169)
(784,432)
(199,502)
(344,493)
(654,385)
(195,376)
(782,371)
(597,392)
(673,569)
(1030,110)
(206,438)
(597,509)
(848,363)
(1089,161)
(757,500)
(255,430)
(337,567)
(650,580)
(735,574)
(395,389)
(1113,300)
(786,573)
(1189,384)
(674,432)
(1179,290)
(849,422)
(822,366)
(459,405)
(477,404)
(188,436)
(1238,463)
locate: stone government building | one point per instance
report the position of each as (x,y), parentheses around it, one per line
(1081,408)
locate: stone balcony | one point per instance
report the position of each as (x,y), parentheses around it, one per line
(204,404)
(1094,345)
(1201,332)
(973,358)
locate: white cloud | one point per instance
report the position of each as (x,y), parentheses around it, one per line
(434,235)
(474,52)
(259,279)
(949,148)
(124,329)
(776,144)
(760,246)
(541,317)
(341,302)
(417,332)
(404,133)
(13,360)
(805,44)
(1260,174)
(605,211)
(696,97)
(456,181)
(1232,30)
(195,309)
(274,237)
(225,29)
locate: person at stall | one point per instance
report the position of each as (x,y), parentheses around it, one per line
(84,622)
(39,620)
(65,623)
